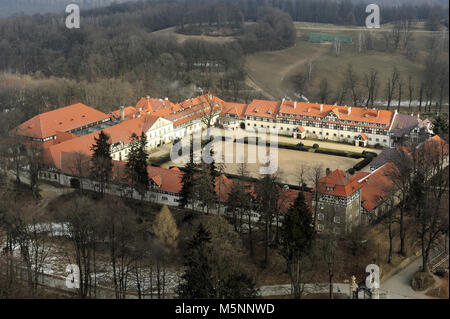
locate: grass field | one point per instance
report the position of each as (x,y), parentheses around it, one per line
(272,71)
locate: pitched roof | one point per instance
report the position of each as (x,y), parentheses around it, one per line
(263,108)
(300,128)
(358,114)
(237,109)
(117,133)
(403,124)
(194,108)
(62,119)
(342,184)
(376,187)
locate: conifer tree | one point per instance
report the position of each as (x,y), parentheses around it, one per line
(137,164)
(297,235)
(187,181)
(101,161)
(197,280)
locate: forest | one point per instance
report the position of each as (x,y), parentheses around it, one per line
(115,56)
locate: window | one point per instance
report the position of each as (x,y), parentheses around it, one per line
(319,227)
(337,219)
(164,198)
(320,216)
(330,188)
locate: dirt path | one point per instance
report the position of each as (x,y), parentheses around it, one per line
(269,75)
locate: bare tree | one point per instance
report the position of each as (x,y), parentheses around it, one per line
(315,174)
(370,80)
(323,90)
(430,184)
(329,248)
(400,86)
(411,89)
(400,174)
(392,86)
(352,84)
(80,167)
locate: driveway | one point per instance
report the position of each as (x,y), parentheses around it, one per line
(399,285)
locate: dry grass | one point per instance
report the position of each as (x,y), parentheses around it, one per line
(272,70)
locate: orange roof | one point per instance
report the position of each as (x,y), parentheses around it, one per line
(340,184)
(194,108)
(358,114)
(118,133)
(63,136)
(300,128)
(376,187)
(167,180)
(237,109)
(157,179)
(147,106)
(364,136)
(128,112)
(63,119)
(263,108)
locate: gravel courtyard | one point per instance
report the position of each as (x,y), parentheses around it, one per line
(289,164)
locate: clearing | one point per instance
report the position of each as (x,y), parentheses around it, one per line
(271,72)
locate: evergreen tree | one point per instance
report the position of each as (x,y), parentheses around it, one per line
(267,196)
(297,235)
(101,160)
(187,181)
(440,126)
(137,164)
(204,188)
(197,281)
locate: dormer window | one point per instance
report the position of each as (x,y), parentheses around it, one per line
(330,188)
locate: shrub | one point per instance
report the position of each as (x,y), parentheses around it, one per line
(316,146)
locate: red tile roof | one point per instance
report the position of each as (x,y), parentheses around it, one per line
(63,119)
(237,109)
(342,184)
(342,112)
(376,187)
(263,108)
(120,132)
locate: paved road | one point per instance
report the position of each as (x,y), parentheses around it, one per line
(399,285)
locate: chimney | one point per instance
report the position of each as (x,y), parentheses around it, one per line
(378,113)
(349,110)
(166,98)
(321,107)
(327,171)
(295,104)
(148,97)
(122,113)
